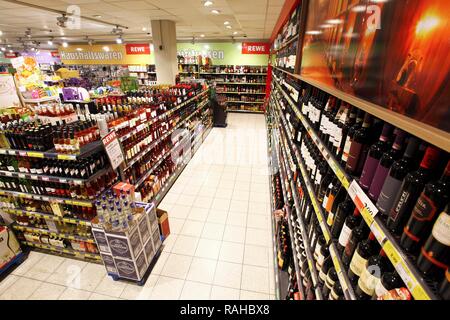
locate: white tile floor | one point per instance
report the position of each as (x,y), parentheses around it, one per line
(220,246)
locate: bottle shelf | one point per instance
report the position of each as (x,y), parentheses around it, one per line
(45,178)
(235,74)
(80,237)
(250,93)
(49,216)
(164,136)
(243,83)
(245,111)
(41,100)
(338,265)
(417,285)
(82,203)
(287,43)
(85,151)
(249,102)
(423,131)
(71,252)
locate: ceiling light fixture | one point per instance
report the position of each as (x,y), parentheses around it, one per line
(202,35)
(50,42)
(228,27)
(226,22)
(65,44)
(235,32)
(207,3)
(144,29)
(1,32)
(119,40)
(215,11)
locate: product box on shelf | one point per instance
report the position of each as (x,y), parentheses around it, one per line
(133,270)
(109,263)
(9,246)
(163,221)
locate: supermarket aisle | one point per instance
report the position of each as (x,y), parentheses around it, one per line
(220,246)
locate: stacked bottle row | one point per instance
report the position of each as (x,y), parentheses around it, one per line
(286,57)
(233,69)
(80,169)
(241,88)
(58,242)
(406,178)
(115,210)
(289,30)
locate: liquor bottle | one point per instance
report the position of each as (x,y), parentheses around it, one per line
(345,124)
(397,173)
(351,133)
(444,288)
(359,147)
(371,274)
(385,164)
(434,257)
(331,279)
(326,265)
(336,292)
(358,234)
(340,196)
(432,201)
(351,222)
(344,210)
(389,280)
(410,190)
(363,252)
(374,156)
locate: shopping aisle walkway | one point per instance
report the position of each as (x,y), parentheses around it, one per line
(220,245)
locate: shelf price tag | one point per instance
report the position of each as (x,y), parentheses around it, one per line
(113,149)
(378,233)
(35,154)
(65,157)
(362,202)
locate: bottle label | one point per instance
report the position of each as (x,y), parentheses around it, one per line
(368,172)
(424,210)
(344,237)
(401,205)
(334,296)
(322,275)
(329,282)
(387,194)
(358,263)
(354,155)
(325,200)
(330,219)
(346,151)
(380,290)
(377,182)
(441,229)
(367,282)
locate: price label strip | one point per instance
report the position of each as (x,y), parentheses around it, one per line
(362,202)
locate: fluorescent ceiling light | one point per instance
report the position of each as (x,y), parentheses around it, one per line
(228,27)
(50,42)
(215,11)
(334,21)
(144,29)
(226,22)
(1,32)
(202,35)
(313,32)
(235,32)
(208,3)
(119,40)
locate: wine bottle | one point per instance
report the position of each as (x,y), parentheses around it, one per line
(331,279)
(370,276)
(358,234)
(341,194)
(362,253)
(432,201)
(336,292)
(388,281)
(351,132)
(434,257)
(410,190)
(374,156)
(343,211)
(395,177)
(323,271)
(444,288)
(385,164)
(359,147)
(351,222)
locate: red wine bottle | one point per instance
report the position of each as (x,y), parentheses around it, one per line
(388,281)
(359,259)
(397,173)
(370,276)
(344,210)
(385,164)
(434,257)
(410,190)
(432,201)
(336,292)
(351,222)
(331,279)
(360,147)
(374,156)
(351,133)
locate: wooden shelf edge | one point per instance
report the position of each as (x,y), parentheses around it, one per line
(424,131)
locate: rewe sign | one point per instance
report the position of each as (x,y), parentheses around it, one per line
(133,48)
(255,48)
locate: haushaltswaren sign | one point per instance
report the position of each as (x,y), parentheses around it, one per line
(255,48)
(118,54)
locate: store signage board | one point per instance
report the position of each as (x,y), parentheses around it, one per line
(112,54)
(8,93)
(113,149)
(10,55)
(255,48)
(133,48)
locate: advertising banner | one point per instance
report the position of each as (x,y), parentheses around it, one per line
(255,48)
